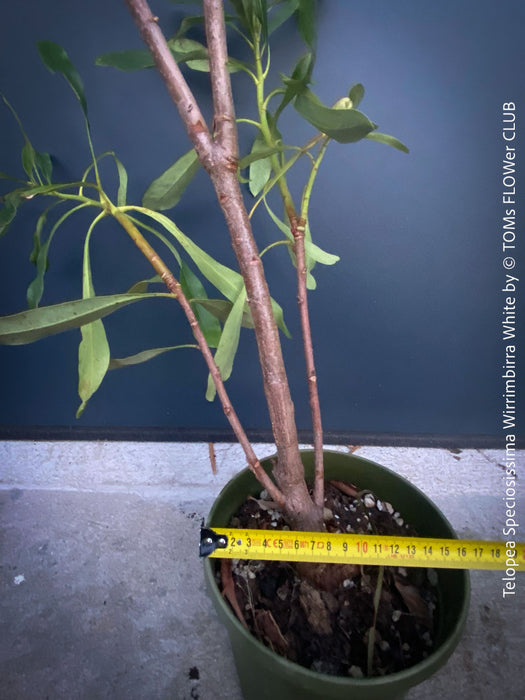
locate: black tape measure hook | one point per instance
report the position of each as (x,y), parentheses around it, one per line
(210,541)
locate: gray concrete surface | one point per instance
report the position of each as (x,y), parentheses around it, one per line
(102,593)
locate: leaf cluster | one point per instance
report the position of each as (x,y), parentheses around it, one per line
(266,166)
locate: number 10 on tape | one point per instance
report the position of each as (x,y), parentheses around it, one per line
(323,547)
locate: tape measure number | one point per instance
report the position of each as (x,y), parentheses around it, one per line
(323,547)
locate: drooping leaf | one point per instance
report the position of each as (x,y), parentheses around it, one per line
(45,165)
(93,351)
(12,201)
(356,94)
(166,190)
(220,308)
(93,361)
(28,159)
(227,281)
(228,343)
(34,324)
(36,288)
(127,60)
(56,60)
(142,286)
(255,155)
(282,12)
(122,191)
(260,168)
(389,140)
(342,125)
(31,159)
(208,323)
(306,22)
(144,356)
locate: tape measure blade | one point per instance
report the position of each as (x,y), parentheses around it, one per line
(369,550)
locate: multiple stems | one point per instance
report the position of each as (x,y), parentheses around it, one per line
(218,154)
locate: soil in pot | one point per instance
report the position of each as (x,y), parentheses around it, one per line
(371,621)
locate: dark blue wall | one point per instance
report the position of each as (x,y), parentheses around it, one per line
(407,326)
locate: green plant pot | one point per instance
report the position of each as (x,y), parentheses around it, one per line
(266,676)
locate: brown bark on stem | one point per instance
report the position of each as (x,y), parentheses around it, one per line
(298,229)
(219,158)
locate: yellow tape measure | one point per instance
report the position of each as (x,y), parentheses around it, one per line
(324,547)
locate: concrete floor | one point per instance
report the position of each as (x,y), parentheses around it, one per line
(102,593)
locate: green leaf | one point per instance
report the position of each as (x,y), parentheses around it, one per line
(298,82)
(261,165)
(227,281)
(342,125)
(128,60)
(28,159)
(228,344)
(144,356)
(312,251)
(280,14)
(93,361)
(12,201)
(220,308)
(256,155)
(44,164)
(142,286)
(208,323)
(36,288)
(122,182)
(166,190)
(34,324)
(93,351)
(389,140)
(57,60)
(356,94)
(306,22)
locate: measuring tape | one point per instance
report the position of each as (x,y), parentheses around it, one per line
(324,547)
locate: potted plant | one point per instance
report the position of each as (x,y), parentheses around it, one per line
(245,300)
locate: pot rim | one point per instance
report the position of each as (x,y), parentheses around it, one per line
(422,670)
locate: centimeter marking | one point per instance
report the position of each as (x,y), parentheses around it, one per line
(323,547)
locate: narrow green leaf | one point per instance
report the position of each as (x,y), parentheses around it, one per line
(260,167)
(227,281)
(342,125)
(36,288)
(228,344)
(306,22)
(142,286)
(56,60)
(12,201)
(122,191)
(34,324)
(93,361)
(44,164)
(144,356)
(128,60)
(166,190)
(208,323)
(256,155)
(28,159)
(220,308)
(298,82)
(389,140)
(281,13)
(356,94)
(93,351)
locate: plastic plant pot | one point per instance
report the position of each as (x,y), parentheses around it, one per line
(265,675)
